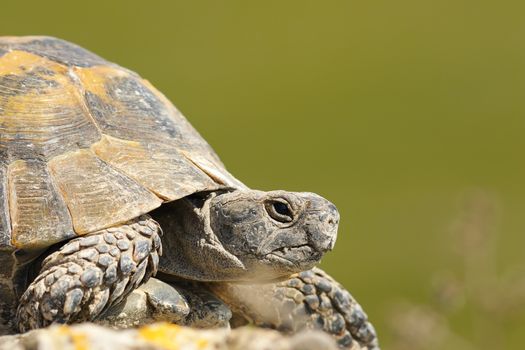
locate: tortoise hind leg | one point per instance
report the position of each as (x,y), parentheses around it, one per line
(91,273)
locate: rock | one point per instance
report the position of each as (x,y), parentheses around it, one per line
(163,336)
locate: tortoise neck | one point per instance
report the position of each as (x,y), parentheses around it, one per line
(191,248)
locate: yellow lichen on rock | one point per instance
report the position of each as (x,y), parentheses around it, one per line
(172,337)
(78,338)
(165,336)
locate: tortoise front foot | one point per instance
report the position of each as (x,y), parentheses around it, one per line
(307,300)
(328,306)
(91,273)
(157,301)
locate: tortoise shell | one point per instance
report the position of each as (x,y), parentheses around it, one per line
(86,144)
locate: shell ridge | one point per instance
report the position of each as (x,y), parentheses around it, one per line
(222,177)
(59,192)
(80,96)
(123,174)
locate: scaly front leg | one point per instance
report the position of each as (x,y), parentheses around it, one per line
(307,300)
(91,273)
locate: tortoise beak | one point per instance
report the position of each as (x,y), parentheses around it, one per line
(322,224)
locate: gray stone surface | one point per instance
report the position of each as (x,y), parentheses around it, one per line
(164,336)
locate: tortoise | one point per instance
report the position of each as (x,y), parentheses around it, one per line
(100,175)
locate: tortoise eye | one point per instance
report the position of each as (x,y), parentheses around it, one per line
(279,210)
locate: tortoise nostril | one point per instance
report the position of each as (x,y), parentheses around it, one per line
(333,221)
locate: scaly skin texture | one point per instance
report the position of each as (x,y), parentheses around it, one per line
(91,273)
(308,300)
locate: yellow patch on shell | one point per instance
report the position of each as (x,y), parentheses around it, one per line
(42,111)
(19,108)
(93,79)
(18,62)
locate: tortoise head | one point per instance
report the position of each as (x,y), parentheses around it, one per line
(246,235)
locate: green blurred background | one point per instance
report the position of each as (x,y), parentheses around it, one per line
(408,115)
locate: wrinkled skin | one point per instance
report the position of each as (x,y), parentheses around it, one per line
(245,235)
